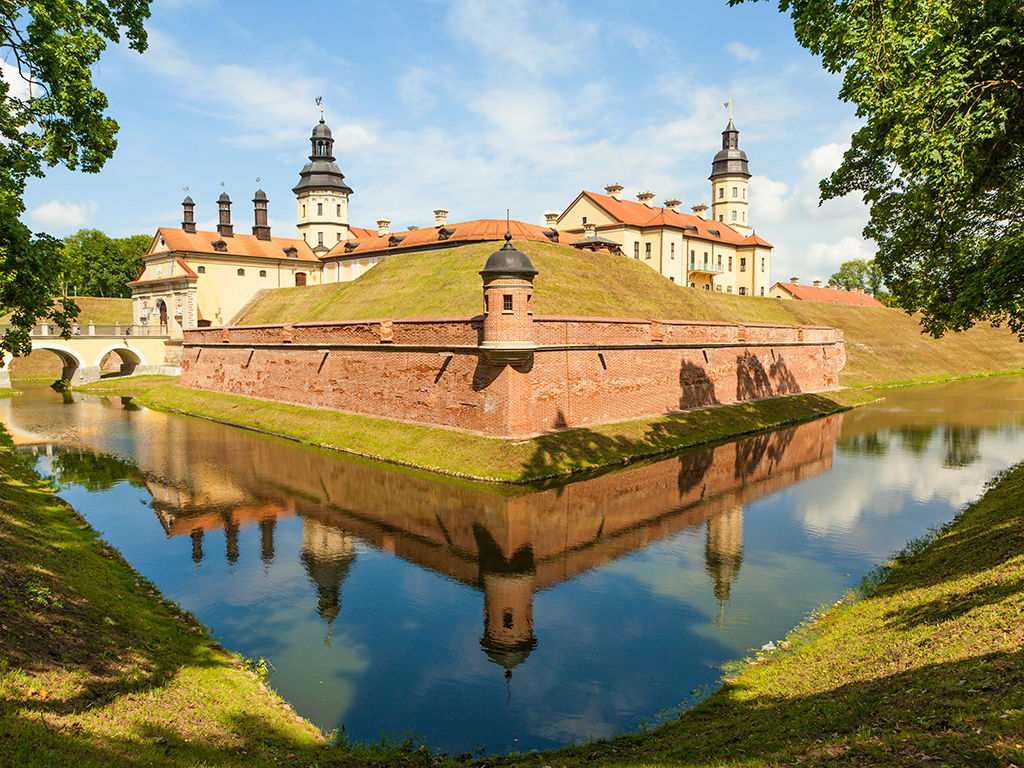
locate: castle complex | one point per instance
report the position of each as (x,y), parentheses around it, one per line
(196,279)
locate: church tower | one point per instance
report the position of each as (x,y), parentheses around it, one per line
(729,177)
(322,195)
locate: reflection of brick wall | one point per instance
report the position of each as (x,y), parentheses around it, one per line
(585,371)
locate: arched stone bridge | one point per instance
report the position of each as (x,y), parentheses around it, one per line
(138,347)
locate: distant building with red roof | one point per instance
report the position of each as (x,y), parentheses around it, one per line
(827,295)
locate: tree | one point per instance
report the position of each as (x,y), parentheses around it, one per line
(940,158)
(50,113)
(860,275)
(96,265)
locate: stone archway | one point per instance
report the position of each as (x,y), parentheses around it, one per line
(73,365)
(131,359)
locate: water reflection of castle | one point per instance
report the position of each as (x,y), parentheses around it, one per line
(507,547)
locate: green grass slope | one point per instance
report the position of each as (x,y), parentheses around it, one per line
(884,346)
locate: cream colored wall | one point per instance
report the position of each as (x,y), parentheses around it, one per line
(724,207)
(778,293)
(332,223)
(222,291)
(584,206)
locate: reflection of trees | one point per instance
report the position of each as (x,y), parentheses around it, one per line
(692,468)
(867,444)
(96,471)
(915,438)
(752,451)
(961,445)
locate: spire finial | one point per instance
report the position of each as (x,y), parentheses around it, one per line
(728,105)
(319,101)
(508,232)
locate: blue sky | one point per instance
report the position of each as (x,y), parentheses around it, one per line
(473,105)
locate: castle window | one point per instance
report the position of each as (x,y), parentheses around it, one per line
(744,215)
(743,265)
(734,215)
(744,193)
(730,263)
(263,273)
(672,250)
(636,250)
(303,211)
(735,191)
(508,302)
(529,303)
(201,270)
(762,290)
(647,250)
(584,219)
(241,272)
(743,291)
(721,217)
(705,259)
(319,209)
(721,192)
(707,287)
(672,279)
(728,289)
(320,238)
(339,210)
(762,263)
(485,304)
(719,262)
(303,237)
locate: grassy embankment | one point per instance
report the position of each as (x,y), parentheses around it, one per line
(46,366)
(96,670)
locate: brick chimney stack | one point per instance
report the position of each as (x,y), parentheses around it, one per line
(673,204)
(699,210)
(261,228)
(224,228)
(189,223)
(645,198)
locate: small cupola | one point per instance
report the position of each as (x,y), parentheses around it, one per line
(188,223)
(261,229)
(645,198)
(614,191)
(224,225)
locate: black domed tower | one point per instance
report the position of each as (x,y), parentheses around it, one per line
(508,306)
(322,195)
(729,175)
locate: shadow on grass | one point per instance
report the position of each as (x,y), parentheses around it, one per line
(945,713)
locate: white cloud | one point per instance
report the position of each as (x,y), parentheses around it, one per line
(414,87)
(62,215)
(536,36)
(20,87)
(262,102)
(742,52)
(827,257)
(768,201)
(826,159)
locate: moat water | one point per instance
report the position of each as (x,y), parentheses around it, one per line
(483,618)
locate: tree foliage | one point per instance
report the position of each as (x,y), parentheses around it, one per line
(940,158)
(97,265)
(860,275)
(50,114)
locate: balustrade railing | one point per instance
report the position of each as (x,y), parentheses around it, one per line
(92,329)
(706,266)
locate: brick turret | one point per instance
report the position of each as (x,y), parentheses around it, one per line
(508,306)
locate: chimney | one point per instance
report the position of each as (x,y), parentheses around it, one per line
(224,227)
(440,217)
(645,198)
(817,283)
(189,224)
(794,280)
(698,210)
(261,228)
(833,287)
(615,191)
(551,218)
(673,204)
(383,227)
(589,229)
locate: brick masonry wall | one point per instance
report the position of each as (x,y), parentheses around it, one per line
(585,371)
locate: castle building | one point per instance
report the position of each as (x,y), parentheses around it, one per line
(194,279)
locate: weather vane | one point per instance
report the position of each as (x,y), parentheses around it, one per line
(319,101)
(728,105)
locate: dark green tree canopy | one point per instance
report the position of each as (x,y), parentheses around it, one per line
(50,113)
(859,275)
(940,159)
(97,265)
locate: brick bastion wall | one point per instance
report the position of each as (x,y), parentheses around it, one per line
(582,371)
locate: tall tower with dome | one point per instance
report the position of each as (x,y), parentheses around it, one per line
(728,178)
(322,195)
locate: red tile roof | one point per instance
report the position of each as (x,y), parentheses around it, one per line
(829,295)
(238,245)
(640,215)
(461,233)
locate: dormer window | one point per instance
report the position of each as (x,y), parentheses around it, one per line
(220,246)
(395,240)
(291,252)
(443,233)
(349,247)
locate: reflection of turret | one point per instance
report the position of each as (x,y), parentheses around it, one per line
(267,540)
(723,553)
(508,586)
(231,538)
(197,545)
(327,554)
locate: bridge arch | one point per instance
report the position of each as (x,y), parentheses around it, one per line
(129,355)
(73,363)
